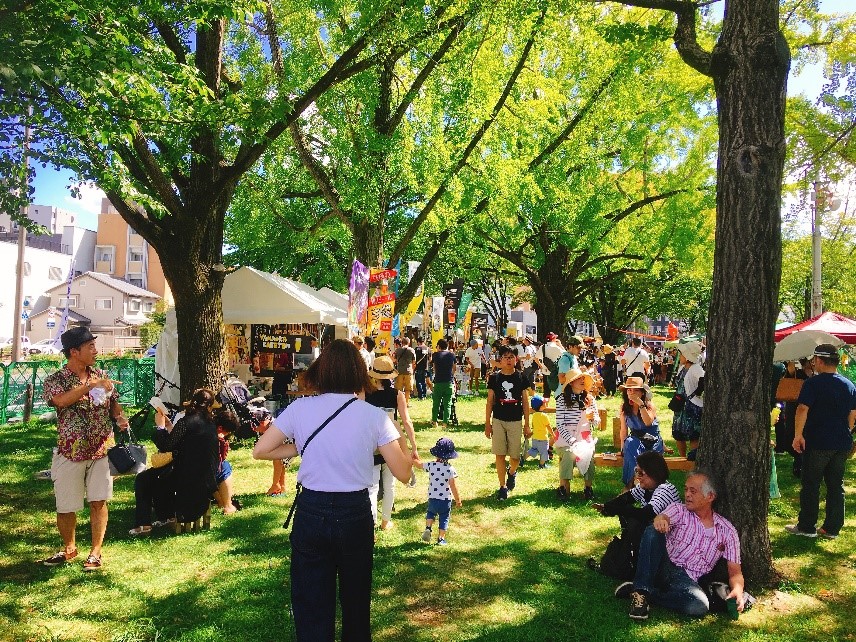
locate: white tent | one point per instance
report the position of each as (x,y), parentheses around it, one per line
(253,296)
(166,360)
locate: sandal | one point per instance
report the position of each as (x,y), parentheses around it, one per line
(237,504)
(140,530)
(165,522)
(92,563)
(60,558)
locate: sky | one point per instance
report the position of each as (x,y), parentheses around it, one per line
(51,186)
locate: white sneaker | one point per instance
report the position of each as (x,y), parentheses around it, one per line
(426,535)
(793,529)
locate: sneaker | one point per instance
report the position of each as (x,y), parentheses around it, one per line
(511,482)
(426,535)
(562,493)
(588,492)
(92,563)
(502,494)
(639,608)
(442,542)
(42,475)
(623,590)
(793,529)
(822,532)
(60,558)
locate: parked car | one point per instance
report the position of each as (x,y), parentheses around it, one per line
(6,347)
(151,351)
(45,346)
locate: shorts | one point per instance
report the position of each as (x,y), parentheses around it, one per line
(74,480)
(404,383)
(540,448)
(225,472)
(568,462)
(441,508)
(507,438)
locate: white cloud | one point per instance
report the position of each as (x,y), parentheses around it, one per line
(89,201)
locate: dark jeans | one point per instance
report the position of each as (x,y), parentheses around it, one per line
(153,488)
(827,466)
(332,538)
(666,584)
(421,388)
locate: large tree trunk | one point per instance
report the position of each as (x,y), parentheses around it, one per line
(368,243)
(749,66)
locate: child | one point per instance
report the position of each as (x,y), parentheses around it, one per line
(576,415)
(542,432)
(441,488)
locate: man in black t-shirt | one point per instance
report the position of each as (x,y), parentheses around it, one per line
(507,405)
(423,353)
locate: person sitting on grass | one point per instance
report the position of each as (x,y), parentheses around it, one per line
(684,543)
(542,432)
(635,509)
(227,423)
(441,488)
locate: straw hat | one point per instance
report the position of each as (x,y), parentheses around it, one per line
(607,349)
(575,373)
(383,368)
(633,383)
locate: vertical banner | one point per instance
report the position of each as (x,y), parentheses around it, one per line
(63,323)
(437,313)
(358,298)
(479,326)
(413,306)
(452,293)
(463,306)
(381,308)
(396,325)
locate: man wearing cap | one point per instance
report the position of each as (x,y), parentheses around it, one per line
(85,400)
(823,433)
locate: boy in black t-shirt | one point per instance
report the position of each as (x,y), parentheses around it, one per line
(507,404)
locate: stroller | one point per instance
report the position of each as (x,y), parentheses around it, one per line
(253,417)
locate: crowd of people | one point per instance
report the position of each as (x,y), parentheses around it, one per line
(683,556)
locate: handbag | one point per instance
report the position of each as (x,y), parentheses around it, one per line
(677,403)
(127,457)
(159,459)
(788,389)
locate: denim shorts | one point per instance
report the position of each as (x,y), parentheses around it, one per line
(441,508)
(225,471)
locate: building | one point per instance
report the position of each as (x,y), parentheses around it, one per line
(123,254)
(54,219)
(112,309)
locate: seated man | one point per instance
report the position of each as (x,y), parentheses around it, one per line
(684,542)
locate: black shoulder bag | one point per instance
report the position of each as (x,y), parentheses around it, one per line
(299,486)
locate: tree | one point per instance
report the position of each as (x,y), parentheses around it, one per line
(190,98)
(749,66)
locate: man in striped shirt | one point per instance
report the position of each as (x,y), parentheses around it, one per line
(684,542)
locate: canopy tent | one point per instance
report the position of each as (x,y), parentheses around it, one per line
(253,296)
(831,322)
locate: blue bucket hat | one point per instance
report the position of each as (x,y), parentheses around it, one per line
(444,449)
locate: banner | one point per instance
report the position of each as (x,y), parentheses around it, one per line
(463,306)
(276,347)
(437,312)
(479,326)
(63,323)
(413,307)
(452,293)
(381,308)
(358,298)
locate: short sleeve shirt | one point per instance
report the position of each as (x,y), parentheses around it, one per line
(507,395)
(439,474)
(541,427)
(404,359)
(444,363)
(830,398)
(474,356)
(84,428)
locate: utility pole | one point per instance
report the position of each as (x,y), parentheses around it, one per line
(22,244)
(822,200)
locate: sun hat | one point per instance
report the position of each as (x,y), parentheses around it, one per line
(382,368)
(575,373)
(537,402)
(690,350)
(607,349)
(76,337)
(444,449)
(634,383)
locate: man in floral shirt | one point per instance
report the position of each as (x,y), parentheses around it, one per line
(85,400)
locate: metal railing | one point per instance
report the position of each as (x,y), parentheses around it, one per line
(137,387)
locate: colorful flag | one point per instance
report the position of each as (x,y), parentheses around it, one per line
(381,308)
(63,322)
(437,313)
(358,298)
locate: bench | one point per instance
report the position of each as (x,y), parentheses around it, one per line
(202,523)
(674,463)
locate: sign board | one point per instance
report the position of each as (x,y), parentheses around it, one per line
(51,324)
(25,315)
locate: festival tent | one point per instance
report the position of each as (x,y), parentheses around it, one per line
(831,322)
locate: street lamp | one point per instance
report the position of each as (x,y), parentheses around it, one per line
(822,200)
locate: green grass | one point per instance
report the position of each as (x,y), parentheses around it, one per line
(513,571)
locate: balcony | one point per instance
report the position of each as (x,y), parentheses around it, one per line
(135,267)
(104,266)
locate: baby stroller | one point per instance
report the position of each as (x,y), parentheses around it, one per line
(252,415)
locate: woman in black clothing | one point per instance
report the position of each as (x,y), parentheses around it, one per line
(182,489)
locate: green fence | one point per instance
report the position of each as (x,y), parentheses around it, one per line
(137,387)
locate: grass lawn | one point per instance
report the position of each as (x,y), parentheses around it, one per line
(513,571)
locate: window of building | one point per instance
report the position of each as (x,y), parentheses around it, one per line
(135,255)
(70,301)
(104,255)
(55,273)
(105,303)
(148,306)
(81,282)
(134,305)
(135,279)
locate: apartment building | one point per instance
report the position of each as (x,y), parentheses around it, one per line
(123,254)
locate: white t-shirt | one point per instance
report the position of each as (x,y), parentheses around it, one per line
(529,355)
(550,350)
(635,360)
(694,373)
(340,459)
(473,355)
(367,356)
(439,474)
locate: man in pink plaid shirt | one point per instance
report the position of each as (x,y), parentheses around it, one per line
(684,543)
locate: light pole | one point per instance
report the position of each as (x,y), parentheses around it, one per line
(19,317)
(822,199)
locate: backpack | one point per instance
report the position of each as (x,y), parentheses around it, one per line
(617,561)
(552,377)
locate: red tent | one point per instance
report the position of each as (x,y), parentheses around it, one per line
(837,324)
